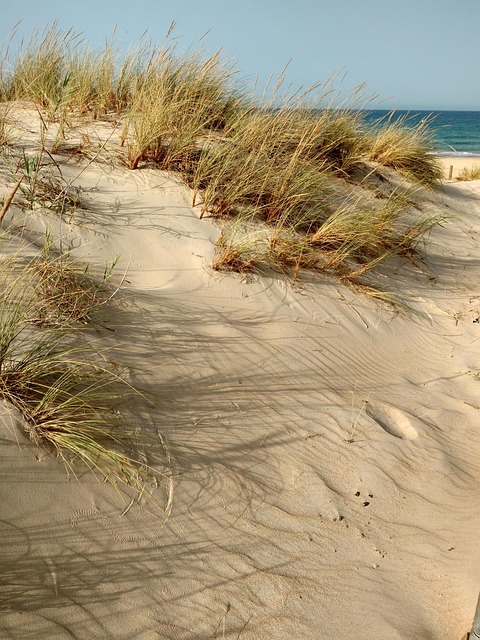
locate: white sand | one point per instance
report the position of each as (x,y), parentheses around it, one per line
(325,450)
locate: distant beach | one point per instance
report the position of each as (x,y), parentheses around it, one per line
(455,164)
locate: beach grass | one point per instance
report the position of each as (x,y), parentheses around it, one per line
(350,241)
(67,292)
(71,394)
(284,159)
(407,147)
(170,99)
(174,103)
(38,71)
(469,173)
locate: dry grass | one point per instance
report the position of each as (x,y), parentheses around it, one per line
(239,249)
(469,173)
(38,71)
(350,241)
(280,161)
(407,147)
(71,395)
(264,165)
(66,292)
(100,84)
(41,187)
(175,103)
(171,100)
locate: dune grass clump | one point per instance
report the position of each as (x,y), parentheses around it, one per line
(57,72)
(358,237)
(67,293)
(40,183)
(277,156)
(280,168)
(339,138)
(469,173)
(407,147)
(266,165)
(100,84)
(239,249)
(236,180)
(176,101)
(39,70)
(67,401)
(349,242)
(71,395)
(283,168)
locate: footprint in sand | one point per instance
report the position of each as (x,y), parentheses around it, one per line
(392,420)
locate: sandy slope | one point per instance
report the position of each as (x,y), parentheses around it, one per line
(325,451)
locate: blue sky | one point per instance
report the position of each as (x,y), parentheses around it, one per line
(418,54)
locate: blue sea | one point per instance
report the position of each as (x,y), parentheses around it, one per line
(457,133)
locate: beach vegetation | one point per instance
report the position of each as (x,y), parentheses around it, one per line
(6,133)
(67,292)
(286,162)
(469,173)
(174,104)
(38,71)
(239,250)
(42,185)
(70,393)
(350,241)
(407,147)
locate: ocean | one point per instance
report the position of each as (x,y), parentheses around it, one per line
(456,133)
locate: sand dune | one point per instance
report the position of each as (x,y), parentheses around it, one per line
(324,450)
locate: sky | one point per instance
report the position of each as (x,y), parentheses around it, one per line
(412,54)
